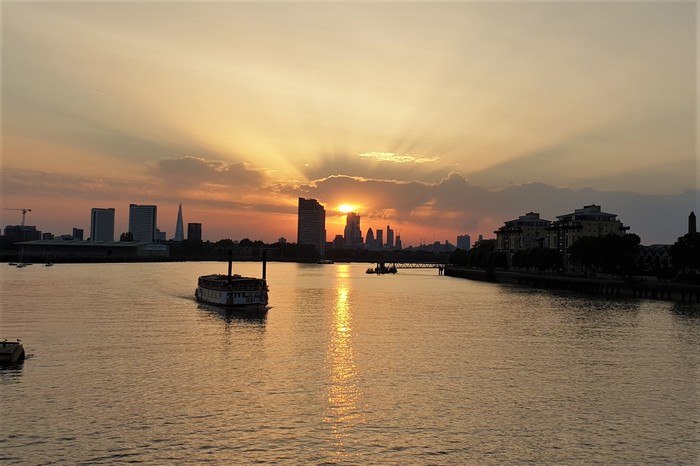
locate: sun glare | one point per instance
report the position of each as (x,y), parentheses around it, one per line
(345,208)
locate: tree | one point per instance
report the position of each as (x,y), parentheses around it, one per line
(685,253)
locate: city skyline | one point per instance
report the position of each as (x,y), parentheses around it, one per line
(440,119)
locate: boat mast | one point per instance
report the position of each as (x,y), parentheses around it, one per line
(264,261)
(230,262)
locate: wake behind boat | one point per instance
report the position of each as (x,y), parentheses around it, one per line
(233,290)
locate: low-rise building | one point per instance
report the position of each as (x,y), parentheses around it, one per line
(91,251)
(589,221)
(525,232)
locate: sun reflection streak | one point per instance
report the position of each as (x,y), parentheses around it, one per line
(342,413)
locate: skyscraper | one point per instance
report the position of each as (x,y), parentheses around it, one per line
(178,226)
(692,226)
(142,222)
(369,240)
(194,231)
(464,242)
(102,224)
(389,238)
(311,224)
(353,234)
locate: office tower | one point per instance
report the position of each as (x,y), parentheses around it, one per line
(464,242)
(78,233)
(102,224)
(389,238)
(380,238)
(398,243)
(194,231)
(692,227)
(353,234)
(311,224)
(369,239)
(142,222)
(178,226)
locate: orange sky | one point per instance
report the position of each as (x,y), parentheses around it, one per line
(436,118)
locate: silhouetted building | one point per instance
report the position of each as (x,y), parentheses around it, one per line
(464,242)
(389,238)
(311,224)
(353,234)
(179,233)
(527,231)
(692,227)
(194,231)
(369,240)
(78,233)
(380,238)
(102,224)
(22,233)
(338,242)
(160,236)
(399,246)
(89,251)
(142,222)
(588,221)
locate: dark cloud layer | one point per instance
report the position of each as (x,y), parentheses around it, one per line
(452,204)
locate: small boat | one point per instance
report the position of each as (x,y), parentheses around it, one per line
(233,290)
(381,269)
(11,352)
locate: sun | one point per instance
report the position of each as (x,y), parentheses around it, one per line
(345,208)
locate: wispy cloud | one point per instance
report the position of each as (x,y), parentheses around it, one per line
(398,158)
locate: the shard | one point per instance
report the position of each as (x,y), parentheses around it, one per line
(179,236)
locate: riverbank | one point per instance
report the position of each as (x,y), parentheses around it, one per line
(670,291)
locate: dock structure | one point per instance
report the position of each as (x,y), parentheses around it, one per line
(684,293)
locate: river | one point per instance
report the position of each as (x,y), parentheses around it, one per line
(345,368)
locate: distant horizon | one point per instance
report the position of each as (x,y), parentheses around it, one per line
(661,214)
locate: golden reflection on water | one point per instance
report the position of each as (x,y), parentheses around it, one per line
(342,413)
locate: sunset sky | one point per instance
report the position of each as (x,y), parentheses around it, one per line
(436,118)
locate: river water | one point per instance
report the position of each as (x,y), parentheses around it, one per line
(344,368)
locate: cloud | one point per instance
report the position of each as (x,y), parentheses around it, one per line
(456,205)
(198,172)
(398,158)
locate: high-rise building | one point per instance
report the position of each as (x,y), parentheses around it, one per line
(179,234)
(352,234)
(142,222)
(102,224)
(380,238)
(389,238)
(194,231)
(692,226)
(78,233)
(311,224)
(464,242)
(369,239)
(398,243)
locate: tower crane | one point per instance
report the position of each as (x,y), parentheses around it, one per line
(24,213)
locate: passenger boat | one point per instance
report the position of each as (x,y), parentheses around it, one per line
(233,290)
(11,352)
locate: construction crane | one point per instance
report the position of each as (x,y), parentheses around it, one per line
(24,213)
